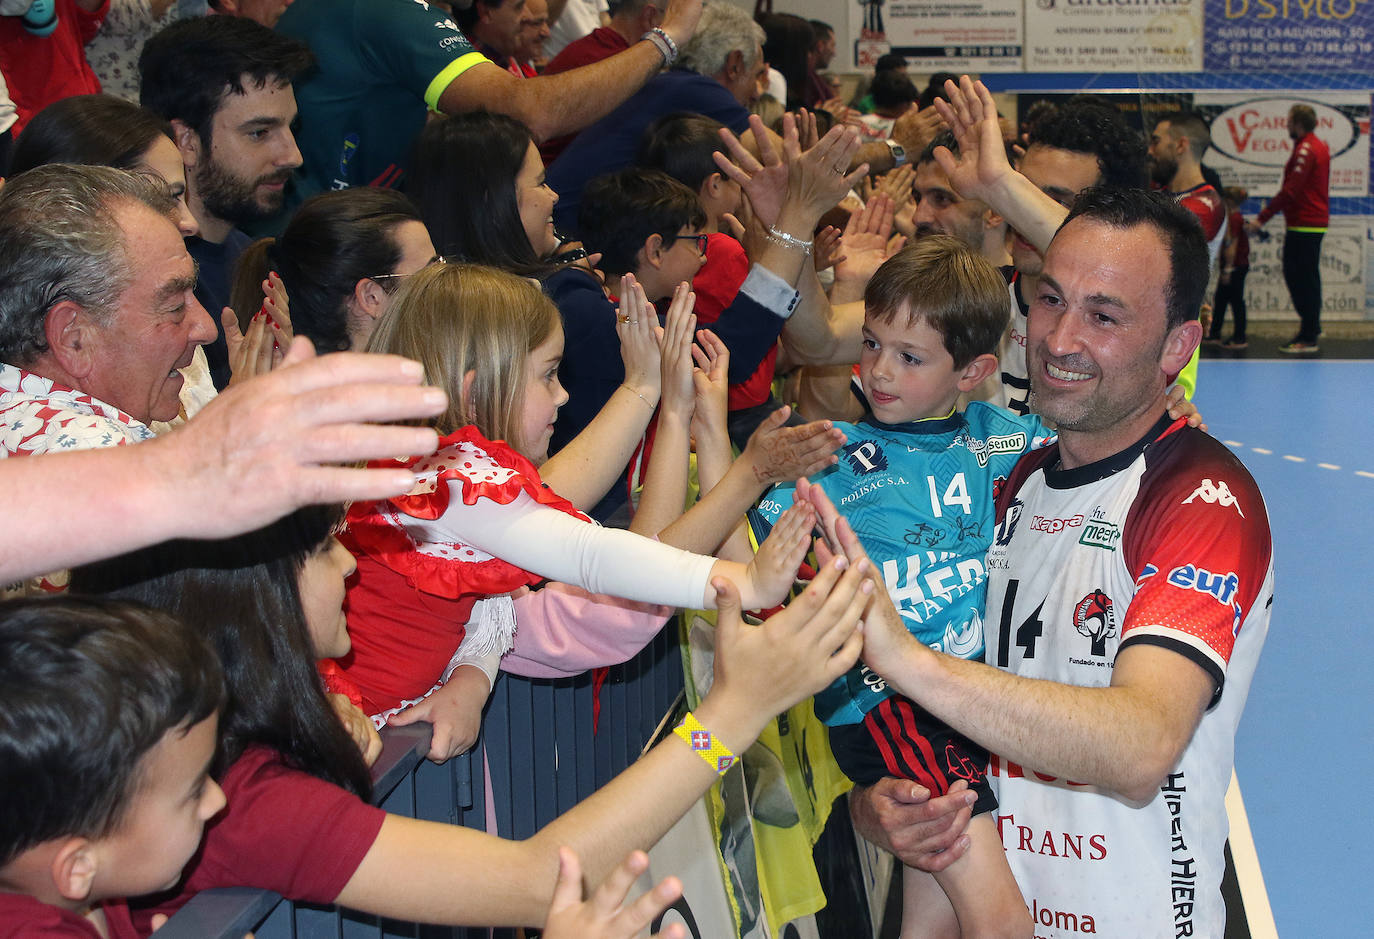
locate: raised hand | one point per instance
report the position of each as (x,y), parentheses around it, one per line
(764,180)
(982,162)
(637,326)
(711,382)
(774,568)
(779,453)
(679,388)
(763,670)
(286,439)
(607,915)
(867,240)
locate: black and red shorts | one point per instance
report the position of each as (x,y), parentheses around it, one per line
(902,739)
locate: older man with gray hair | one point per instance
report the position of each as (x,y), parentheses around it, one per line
(96,309)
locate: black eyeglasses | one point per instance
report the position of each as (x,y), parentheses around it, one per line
(699,239)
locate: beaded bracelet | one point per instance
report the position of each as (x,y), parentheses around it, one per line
(663,43)
(788,241)
(705,744)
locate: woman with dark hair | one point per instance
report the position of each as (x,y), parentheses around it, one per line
(102,130)
(271,602)
(496,210)
(341,258)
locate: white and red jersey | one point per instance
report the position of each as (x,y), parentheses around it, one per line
(1205,203)
(1011,354)
(1165,543)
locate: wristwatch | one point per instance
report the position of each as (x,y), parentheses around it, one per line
(898,152)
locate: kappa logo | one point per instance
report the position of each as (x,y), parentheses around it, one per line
(1215,494)
(1008,525)
(866,457)
(1054,526)
(1095,617)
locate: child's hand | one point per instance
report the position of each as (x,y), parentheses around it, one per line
(774,568)
(711,383)
(763,670)
(1179,406)
(827,249)
(606,915)
(676,352)
(358,725)
(637,326)
(884,632)
(780,454)
(866,242)
(455,710)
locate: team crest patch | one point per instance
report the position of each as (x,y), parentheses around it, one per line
(1095,617)
(1008,525)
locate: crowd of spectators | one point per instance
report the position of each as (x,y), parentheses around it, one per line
(397,337)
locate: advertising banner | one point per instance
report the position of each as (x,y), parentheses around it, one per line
(1342,267)
(1250,137)
(1114,35)
(939,35)
(1289,35)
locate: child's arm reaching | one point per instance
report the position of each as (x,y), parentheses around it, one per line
(429,872)
(773,454)
(665,483)
(593,461)
(557,546)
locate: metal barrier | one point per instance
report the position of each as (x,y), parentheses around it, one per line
(543,756)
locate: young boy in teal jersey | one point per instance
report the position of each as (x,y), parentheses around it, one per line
(917,481)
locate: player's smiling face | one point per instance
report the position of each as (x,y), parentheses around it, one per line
(906,372)
(1097,346)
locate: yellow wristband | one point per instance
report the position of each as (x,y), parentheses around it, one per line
(705,744)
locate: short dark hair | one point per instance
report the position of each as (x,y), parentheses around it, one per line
(1189,261)
(61,239)
(87,688)
(681,144)
(1305,116)
(944,282)
(1084,127)
(473,213)
(935,88)
(97,130)
(1189,125)
(888,62)
(187,69)
(891,89)
(242,595)
(334,240)
(620,210)
(944,138)
(821,29)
